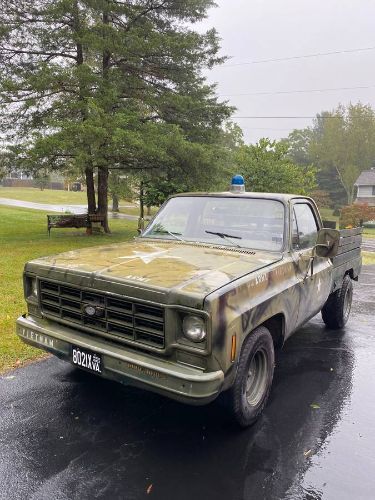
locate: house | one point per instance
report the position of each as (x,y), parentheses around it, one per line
(365,185)
(18,178)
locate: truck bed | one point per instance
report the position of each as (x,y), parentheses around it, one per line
(348,258)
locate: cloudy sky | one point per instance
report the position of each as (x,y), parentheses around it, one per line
(258,30)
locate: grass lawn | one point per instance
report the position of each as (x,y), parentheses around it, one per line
(46,196)
(368,258)
(327,214)
(369,232)
(23,236)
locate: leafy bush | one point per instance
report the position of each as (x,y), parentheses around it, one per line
(322,198)
(356,215)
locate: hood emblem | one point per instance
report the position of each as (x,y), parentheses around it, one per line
(148,257)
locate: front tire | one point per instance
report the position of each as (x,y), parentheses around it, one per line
(249,393)
(336,310)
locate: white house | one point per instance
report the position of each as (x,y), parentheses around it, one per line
(365,185)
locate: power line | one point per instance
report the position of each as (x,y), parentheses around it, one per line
(303,56)
(281,117)
(267,128)
(297,91)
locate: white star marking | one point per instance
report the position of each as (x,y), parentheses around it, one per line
(149,257)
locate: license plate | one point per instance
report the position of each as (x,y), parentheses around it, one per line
(89,360)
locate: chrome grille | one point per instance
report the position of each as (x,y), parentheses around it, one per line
(118,319)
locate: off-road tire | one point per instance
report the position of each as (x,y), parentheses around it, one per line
(257,355)
(336,310)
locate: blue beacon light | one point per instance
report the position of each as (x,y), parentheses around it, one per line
(237,184)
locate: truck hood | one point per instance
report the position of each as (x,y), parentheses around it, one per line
(193,270)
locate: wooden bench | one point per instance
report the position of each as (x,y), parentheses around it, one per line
(73,221)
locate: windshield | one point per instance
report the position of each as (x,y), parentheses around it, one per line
(236,222)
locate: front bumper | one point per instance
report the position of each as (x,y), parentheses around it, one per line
(179,382)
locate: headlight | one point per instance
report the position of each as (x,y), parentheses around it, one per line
(194,328)
(32,288)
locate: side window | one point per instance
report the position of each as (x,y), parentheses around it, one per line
(304,227)
(295,236)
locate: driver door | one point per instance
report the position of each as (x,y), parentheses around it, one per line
(313,273)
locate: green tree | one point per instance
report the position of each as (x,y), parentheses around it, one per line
(121,186)
(266,167)
(108,84)
(42,179)
(341,144)
(298,143)
(4,164)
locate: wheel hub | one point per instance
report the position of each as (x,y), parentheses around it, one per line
(256,381)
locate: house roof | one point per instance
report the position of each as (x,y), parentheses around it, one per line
(367,178)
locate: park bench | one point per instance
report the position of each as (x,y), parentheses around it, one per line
(73,221)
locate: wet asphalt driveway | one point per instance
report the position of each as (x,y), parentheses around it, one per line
(65,434)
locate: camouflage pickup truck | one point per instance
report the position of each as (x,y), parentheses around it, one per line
(197,304)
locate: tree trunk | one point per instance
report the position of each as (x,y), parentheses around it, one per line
(91,202)
(141,202)
(103,196)
(141,224)
(103,171)
(89,171)
(115,203)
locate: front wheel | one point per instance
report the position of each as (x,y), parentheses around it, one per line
(336,310)
(249,393)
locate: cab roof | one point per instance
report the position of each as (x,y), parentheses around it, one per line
(285,198)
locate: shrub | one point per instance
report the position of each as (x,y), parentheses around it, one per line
(322,198)
(356,215)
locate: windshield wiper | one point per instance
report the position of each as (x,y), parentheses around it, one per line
(165,231)
(225,236)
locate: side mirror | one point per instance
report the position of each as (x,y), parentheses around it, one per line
(327,243)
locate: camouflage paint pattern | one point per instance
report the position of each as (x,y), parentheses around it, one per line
(235,290)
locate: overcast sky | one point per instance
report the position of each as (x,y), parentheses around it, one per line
(254,30)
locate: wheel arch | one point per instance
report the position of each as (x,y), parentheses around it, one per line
(276,326)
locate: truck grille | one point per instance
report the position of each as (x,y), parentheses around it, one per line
(115,318)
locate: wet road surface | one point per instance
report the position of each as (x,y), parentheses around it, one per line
(65,434)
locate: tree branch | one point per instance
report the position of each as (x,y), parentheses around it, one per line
(37,53)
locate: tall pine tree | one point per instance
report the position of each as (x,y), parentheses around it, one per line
(110,84)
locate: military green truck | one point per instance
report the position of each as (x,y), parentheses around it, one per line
(197,304)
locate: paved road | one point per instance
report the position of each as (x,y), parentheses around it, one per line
(67,435)
(368,244)
(74,209)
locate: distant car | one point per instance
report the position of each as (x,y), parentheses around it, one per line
(196,306)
